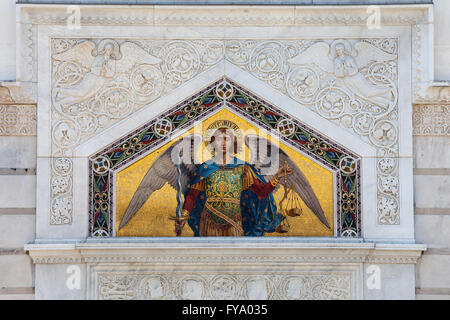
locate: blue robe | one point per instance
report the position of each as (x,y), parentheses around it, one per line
(256,220)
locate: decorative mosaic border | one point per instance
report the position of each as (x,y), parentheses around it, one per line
(344,163)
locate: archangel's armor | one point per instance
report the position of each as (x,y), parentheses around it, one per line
(223,189)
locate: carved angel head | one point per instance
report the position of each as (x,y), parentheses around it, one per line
(340,48)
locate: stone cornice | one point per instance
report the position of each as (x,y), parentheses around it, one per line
(29,16)
(224,252)
(225,15)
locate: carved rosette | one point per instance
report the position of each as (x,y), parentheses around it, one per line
(352,83)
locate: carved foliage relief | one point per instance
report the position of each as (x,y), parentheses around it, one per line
(96,82)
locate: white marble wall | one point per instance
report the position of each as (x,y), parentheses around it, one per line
(431,189)
(432,214)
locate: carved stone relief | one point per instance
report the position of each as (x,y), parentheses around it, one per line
(225,286)
(353,83)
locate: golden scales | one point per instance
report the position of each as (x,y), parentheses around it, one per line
(290,205)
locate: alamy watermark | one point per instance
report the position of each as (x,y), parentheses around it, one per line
(373,280)
(73,281)
(374,17)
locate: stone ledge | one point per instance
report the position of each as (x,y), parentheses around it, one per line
(433,291)
(230,253)
(18,120)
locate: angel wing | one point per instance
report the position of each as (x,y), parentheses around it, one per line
(317,54)
(164,170)
(301,185)
(81,53)
(133,54)
(367,52)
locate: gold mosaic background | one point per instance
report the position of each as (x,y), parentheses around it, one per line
(152,220)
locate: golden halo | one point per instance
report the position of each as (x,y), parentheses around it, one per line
(223,124)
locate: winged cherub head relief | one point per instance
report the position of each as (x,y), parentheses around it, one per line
(224,196)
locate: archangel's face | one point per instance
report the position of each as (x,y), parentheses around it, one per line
(223,141)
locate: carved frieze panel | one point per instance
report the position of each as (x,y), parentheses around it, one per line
(18,120)
(281,285)
(431,120)
(417,17)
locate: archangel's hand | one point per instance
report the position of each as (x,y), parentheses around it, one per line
(179,224)
(285,170)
